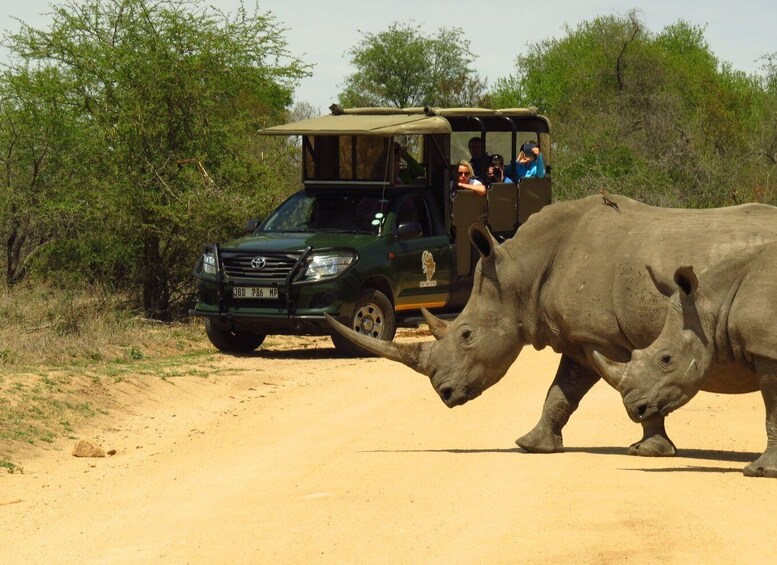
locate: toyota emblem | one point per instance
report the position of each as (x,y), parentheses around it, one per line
(258,263)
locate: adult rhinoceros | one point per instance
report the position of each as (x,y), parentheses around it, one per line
(719,324)
(573,278)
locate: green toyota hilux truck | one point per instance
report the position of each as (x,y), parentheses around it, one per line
(378,230)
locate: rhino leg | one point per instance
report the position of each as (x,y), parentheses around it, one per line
(571,383)
(766,464)
(654,442)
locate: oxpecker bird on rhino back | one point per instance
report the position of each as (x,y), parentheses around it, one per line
(718,335)
(573,278)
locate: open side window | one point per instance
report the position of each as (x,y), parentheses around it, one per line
(365,159)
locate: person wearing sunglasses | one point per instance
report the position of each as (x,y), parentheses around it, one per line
(465,179)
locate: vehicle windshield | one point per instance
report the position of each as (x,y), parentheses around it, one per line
(329,212)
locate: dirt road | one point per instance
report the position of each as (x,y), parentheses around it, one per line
(296,456)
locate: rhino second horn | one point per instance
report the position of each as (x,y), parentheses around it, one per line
(611,371)
(437,326)
(414,355)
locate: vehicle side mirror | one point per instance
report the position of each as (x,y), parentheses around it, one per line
(252,224)
(409,230)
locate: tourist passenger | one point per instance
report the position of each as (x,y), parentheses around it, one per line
(478,160)
(465,179)
(411,172)
(528,164)
(496,171)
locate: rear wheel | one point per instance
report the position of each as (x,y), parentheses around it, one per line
(228,341)
(373,315)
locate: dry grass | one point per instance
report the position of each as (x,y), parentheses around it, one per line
(62,352)
(40,325)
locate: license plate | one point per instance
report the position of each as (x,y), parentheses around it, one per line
(266,292)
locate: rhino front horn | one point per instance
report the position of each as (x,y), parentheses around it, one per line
(437,326)
(414,355)
(611,371)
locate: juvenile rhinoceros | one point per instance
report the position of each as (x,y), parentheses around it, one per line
(718,334)
(573,278)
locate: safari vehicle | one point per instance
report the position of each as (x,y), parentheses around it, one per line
(358,243)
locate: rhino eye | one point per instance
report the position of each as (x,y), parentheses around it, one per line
(666,359)
(465,336)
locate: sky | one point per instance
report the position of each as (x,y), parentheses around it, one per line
(320,33)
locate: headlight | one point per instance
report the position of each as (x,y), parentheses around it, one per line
(327,266)
(209,263)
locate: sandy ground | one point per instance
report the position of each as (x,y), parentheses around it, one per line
(297,456)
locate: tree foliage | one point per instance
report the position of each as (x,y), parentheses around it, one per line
(43,146)
(149,137)
(654,116)
(403,67)
(764,138)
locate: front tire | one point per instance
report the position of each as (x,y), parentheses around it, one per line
(228,341)
(373,315)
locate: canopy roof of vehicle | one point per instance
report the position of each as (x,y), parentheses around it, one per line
(404,121)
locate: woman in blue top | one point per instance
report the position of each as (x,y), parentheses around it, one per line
(528,164)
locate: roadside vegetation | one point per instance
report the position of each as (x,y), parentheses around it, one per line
(69,329)
(62,352)
(651,115)
(128,138)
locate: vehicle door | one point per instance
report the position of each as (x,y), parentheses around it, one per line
(421,256)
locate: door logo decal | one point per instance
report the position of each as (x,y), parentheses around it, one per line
(427,267)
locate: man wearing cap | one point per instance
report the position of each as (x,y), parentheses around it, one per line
(528,164)
(496,170)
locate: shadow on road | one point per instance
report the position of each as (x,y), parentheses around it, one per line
(459,451)
(690,469)
(701,454)
(301,354)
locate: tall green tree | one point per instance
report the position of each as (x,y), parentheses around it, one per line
(654,116)
(172,93)
(404,67)
(47,151)
(764,139)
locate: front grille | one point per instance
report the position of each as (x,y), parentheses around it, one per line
(277,265)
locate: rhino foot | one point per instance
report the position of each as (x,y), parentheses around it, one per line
(653,446)
(764,466)
(541,441)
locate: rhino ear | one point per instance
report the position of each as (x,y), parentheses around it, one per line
(483,241)
(686,280)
